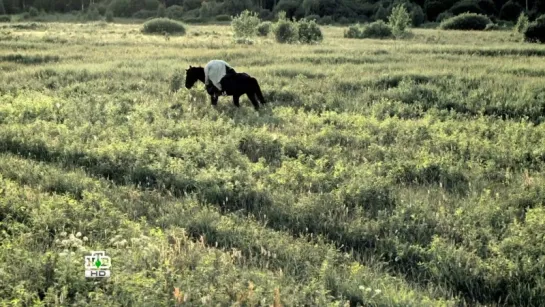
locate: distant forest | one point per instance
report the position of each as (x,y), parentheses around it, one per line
(337,10)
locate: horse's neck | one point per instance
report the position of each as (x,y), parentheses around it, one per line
(200,75)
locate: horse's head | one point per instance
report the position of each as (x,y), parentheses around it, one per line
(192,74)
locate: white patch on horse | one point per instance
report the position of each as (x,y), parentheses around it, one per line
(214,71)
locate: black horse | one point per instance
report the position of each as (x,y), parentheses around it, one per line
(232,84)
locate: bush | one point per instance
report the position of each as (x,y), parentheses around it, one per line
(264,28)
(535,32)
(245,24)
(444,16)
(285,31)
(313,17)
(353,31)
(492,27)
(92,14)
(109,16)
(5,18)
(467,21)
(522,23)
(377,29)
(163,25)
(510,11)
(399,20)
(223,18)
(466,6)
(309,32)
(33,12)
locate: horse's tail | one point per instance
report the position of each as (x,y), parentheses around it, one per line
(258,91)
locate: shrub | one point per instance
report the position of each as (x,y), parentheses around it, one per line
(535,32)
(399,20)
(510,11)
(309,32)
(492,27)
(163,25)
(467,21)
(109,16)
(245,24)
(264,28)
(5,18)
(175,12)
(92,13)
(522,23)
(353,31)
(285,31)
(33,12)
(465,6)
(223,18)
(377,29)
(444,16)
(313,17)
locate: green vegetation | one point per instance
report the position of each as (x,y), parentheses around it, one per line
(324,12)
(399,21)
(380,173)
(245,25)
(466,21)
(377,29)
(163,25)
(535,31)
(522,24)
(264,28)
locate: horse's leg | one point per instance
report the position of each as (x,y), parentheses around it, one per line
(236,99)
(254,101)
(214,99)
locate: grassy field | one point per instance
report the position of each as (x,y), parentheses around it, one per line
(381,173)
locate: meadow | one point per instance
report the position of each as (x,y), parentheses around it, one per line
(380,173)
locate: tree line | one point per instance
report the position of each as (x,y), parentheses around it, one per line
(337,10)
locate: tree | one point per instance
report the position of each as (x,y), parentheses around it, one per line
(399,20)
